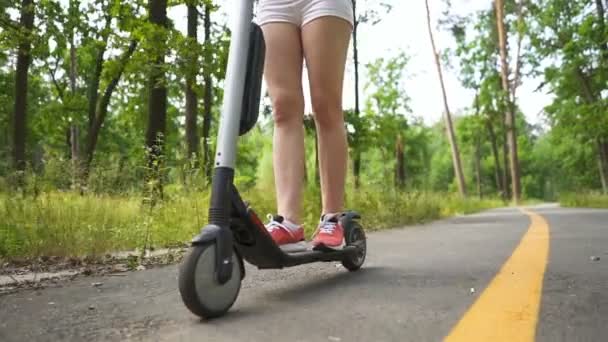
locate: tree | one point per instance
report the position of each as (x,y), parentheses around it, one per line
(385,119)
(572,35)
(101,108)
(447,115)
(476,49)
(357,157)
(157,100)
(26,25)
(191,97)
(371,15)
(510,114)
(208,95)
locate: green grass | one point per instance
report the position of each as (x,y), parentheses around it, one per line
(584,200)
(65,224)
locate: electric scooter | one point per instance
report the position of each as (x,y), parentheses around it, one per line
(210,274)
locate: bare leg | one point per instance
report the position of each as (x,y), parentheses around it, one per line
(325,41)
(283,74)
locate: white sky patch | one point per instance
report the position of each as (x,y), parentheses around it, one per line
(404,28)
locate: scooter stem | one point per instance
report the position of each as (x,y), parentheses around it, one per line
(234,86)
(225,158)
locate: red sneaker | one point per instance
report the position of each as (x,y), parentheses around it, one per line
(281,234)
(330,233)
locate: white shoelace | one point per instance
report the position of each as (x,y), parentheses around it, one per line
(273,224)
(327,227)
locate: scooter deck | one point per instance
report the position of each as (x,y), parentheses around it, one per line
(255,245)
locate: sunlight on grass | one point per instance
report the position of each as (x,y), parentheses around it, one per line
(67,224)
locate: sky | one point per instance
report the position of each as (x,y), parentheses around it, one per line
(405,28)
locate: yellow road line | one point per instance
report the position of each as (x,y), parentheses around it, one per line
(508,308)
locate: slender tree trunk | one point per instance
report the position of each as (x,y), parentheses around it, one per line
(602,162)
(208,95)
(497,168)
(477,162)
(93,87)
(191,98)
(73,66)
(520,37)
(602,28)
(157,101)
(101,110)
(448,118)
(602,173)
(400,165)
(478,167)
(75,149)
(357,168)
(505,159)
(357,152)
(24,59)
(74,131)
(604,143)
(510,121)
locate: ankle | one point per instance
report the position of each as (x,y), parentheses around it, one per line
(329,214)
(292,225)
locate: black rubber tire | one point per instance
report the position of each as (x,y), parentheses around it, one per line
(199,304)
(355,235)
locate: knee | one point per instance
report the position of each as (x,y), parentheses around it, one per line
(288,108)
(327,110)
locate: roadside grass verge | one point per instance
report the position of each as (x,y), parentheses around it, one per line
(66,224)
(584,200)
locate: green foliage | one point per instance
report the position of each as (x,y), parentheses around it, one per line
(584,200)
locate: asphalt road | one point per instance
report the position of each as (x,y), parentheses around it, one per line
(505,274)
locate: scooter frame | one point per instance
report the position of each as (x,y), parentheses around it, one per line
(233,226)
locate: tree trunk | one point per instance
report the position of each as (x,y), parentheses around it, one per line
(520,37)
(602,161)
(93,88)
(357,152)
(357,168)
(497,168)
(75,152)
(505,159)
(602,28)
(208,95)
(477,161)
(400,165)
(24,59)
(157,100)
(73,66)
(191,98)
(448,118)
(602,173)
(74,131)
(478,167)
(101,110)
(510,119)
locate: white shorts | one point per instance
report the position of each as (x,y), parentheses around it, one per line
(301,12)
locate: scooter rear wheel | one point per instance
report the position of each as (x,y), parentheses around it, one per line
(355,236)
(200,291)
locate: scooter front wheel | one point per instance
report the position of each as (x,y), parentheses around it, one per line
(200,291)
